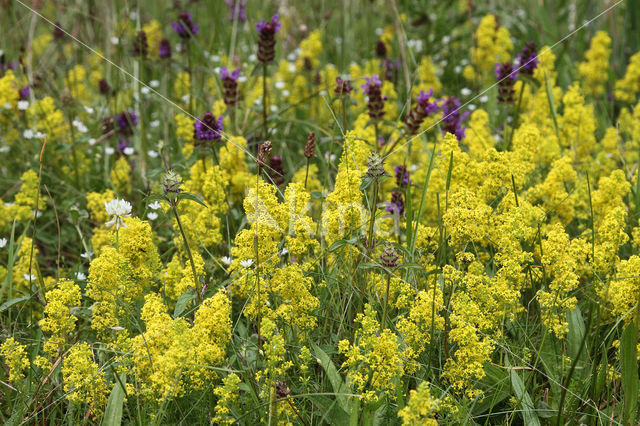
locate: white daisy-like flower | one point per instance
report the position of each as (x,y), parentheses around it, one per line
(80,276)
(253,57)
(465,91)
(471,107)
(128,150)
(154,83)
(152,153)
(30,277)
(87,255)
(246,263)
(114,40)
(284,251)
(226,260)
(292,67)
(118,209)
(154,123)
(109,150)
(285,93)
(3,242)
(483,99)
(155,205)
(23,105)
(89,109)
(27,134)
(145,90)
(280,84)
(152,215)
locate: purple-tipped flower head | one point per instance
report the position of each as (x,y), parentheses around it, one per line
(164,50)
(276,170)
(267,42)
(452,119)
(423,108)
(375,104)
(229,85)
(528,59)
(506,76)
(24,92)
(396,205)
(343,87)
(185,27)
(402,176)
(237,8)
(126,122)
(207,129)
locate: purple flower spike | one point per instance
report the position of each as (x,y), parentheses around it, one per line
(420,111)
(506,76)
(165,49)
(229,85)
(375,104)
(126,122)
(237,8)
(371,83)
(207,129)
(267,42)
(185,27)
(396,205)
(24,92)
(402,176)
(452,119)
(528,59)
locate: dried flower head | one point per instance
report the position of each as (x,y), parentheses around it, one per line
(263,153)
(171,182)
(310,147)
(389,257)
(375,166)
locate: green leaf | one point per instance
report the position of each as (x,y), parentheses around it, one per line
(334,377)
(528,409)
(629,355)
(192,197)
(183,301)
(155,197)
(113,411)
(9,303)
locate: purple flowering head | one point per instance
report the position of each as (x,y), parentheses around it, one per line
(225,75)
(185,27)
(237,9)
(165,49)
(528,59)
(343,87)
(396,205)
(208,128)
(122,144)
(271,27)
(402,176)
(505,71)
(371,84)
(452,119)
(24,92)
(126,121)
(506,75)
(424,102)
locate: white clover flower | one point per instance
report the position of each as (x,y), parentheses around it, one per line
(152,215)
(155,205)
(87,255)
(80,276)
(118,209)
(226,260)
(246,263)
(3,242)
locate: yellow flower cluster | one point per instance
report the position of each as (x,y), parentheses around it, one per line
(492,45)
(594,71)
(83,380)
(15,356)
(58,319)
(420,408)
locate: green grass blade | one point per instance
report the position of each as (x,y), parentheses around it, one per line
(629,358)
(113,411)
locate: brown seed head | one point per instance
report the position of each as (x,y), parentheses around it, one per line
(263,153)
(310,147)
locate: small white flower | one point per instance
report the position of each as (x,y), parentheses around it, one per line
(3,242)
(215,58)
(242,79)
(30,277)
(80,126)
(37,213)
(155,205)
(114,40)
(483,99)
(89,109)
(464,62)
(87,255)
(152,153)
(92,141)
(292,67)
(446,39)
(145,90)
(39,135)
(284,251)
(471,107)
(252,57)
(23,105)
(379,31)
(185,98)
(285,93)
(118,209)
(109,150)
(273,108)
(226,260)
(291,57)
(465,91)
(7,105)
(280,84)
(216,70)
(154,123)
(80,276)
(154,83)
(27,134)
(128,150)
(246,263)
(152,215)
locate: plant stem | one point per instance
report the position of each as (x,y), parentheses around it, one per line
(386,302)
(265,105)
(372,215)
(186,244)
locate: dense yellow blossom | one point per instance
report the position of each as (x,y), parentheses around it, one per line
(83,380)
(15,357)
(594,71)
(58,319)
